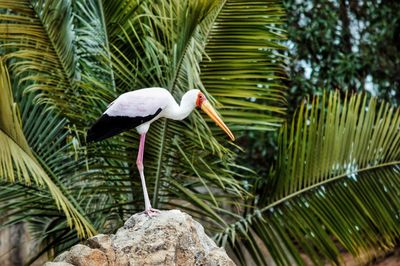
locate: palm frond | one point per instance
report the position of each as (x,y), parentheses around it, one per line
(336,185)
(18,162)
(37,39)
(244,56)
(335,141)
(52,47)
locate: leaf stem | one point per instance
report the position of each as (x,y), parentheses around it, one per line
(159,160)
(325,182)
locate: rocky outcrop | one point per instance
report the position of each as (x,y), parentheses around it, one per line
(170,238)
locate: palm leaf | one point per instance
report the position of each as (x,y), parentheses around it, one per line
(18,161)
(244,56)
(37,38)
(16,153)
(56,50)
(336,185)
(61,76)
(337,140)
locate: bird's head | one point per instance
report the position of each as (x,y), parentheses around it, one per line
(200,99)
(203,104)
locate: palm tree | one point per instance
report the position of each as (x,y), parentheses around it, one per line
(70,83)
(335,186)
(68,60)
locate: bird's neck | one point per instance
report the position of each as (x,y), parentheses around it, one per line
(180,112)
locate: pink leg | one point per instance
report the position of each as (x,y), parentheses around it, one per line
(139,162)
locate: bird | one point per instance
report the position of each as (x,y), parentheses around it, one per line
(138,109)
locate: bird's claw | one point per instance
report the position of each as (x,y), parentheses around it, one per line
(151,212)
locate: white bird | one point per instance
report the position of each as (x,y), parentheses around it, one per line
(138,109)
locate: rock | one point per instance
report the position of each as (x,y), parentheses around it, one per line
(58,264)
(170,238)
(83,255)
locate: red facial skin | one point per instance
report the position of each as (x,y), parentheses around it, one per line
(200,99)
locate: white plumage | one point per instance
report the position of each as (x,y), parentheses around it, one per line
(140,102)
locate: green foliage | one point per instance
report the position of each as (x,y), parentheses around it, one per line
(335,186)
(328,54)
(345,45)
(160,43)
(244,57)
(19,164)
(333,183)
(38,43)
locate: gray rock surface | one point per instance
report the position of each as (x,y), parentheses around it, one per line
(170,238)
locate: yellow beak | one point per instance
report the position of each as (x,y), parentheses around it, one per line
(209,110)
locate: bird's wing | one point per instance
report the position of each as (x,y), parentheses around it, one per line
(128,111)
(139,103)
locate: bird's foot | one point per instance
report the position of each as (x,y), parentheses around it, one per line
(151,212)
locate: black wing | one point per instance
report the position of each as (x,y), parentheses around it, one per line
(107,126)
